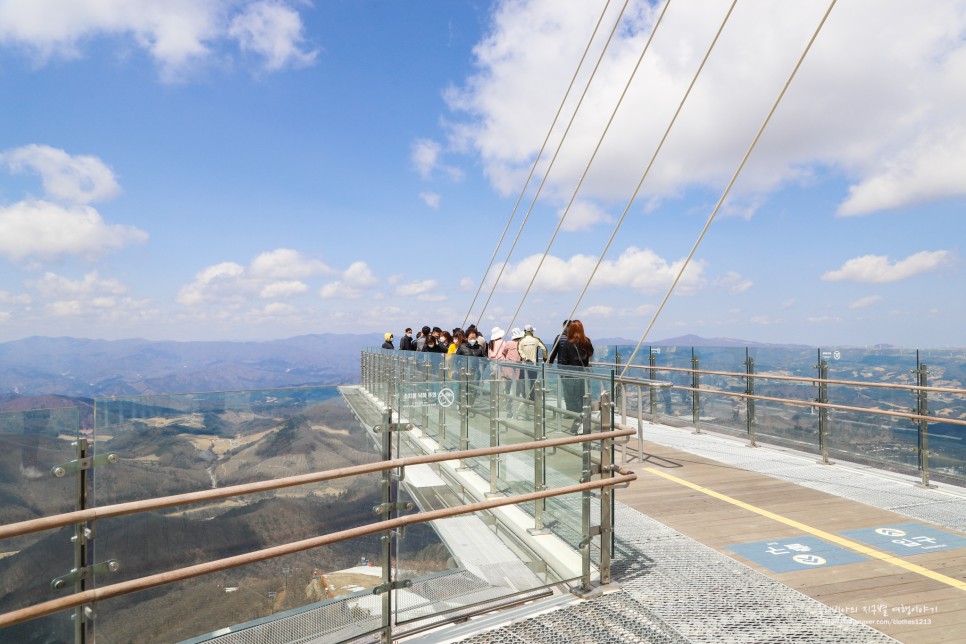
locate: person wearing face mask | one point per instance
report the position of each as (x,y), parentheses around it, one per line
(470,355)
(432,346)
(407,344)
(445,339)
(458,339)
(471,347)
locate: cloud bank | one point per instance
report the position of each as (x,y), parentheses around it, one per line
(885,116)
(62,222)
(177,34)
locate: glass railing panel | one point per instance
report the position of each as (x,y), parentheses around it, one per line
(888,367)
(175,444)
(321,594)
(184,443)
(470,562)
(720,411)
(885,442)
(946,452)
(947,447)
(32,443)
(674,402)
(58,627)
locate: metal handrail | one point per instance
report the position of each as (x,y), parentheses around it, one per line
(188,498)
(811,380)
(815,403)
(180,574)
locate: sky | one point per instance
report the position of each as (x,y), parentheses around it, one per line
(253,170)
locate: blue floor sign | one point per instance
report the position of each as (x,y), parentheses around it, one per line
(906,539)
(789,554)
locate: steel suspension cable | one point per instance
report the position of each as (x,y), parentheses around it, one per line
(533,168)
(731,183)
(650,163)
(553,160)
(593,156)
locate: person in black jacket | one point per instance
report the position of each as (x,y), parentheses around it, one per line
(575,354)
(471,354)
(407,344)
(388,343)
(555,347)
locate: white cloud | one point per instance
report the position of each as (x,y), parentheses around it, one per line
(62,223)
(423,290)
(425,155)
(276,274)
(73,179)
(864,302)
(598,311)
(417,288)
(339,290)
(104,309)
(733,282)
(582,216)
(90,299)
(54,285)
(885,116)
(14,298)
(930,168)
(642,309)
(272,30)
(355,281)
(431,199)
(216,282)
(283,289)
(176,33)
(877,269)
(47,230)
(359,275)
(5,316)
(273,310)
(823,319)
(286,263)
(642,270)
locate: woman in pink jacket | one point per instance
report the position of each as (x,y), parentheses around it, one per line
(509,352)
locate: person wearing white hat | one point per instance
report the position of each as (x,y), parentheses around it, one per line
(493,349)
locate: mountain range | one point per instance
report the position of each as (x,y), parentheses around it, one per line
(79,367)
(84,368)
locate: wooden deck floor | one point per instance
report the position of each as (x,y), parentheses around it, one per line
(917,598)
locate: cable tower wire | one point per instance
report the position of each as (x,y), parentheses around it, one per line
(593,156)
(731,183)
(536,160)
(657,151)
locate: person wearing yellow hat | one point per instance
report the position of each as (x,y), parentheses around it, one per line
(388,343)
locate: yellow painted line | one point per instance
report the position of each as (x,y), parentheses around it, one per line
(828,536)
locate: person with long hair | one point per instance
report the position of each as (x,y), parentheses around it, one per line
(575,354)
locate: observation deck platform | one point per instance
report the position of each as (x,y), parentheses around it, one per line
(720,542)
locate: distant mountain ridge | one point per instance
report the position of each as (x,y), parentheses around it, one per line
(84,368)
(79,367)
(692,340)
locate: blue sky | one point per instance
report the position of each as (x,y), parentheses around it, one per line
(223,169)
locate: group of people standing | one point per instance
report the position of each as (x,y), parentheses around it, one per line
(570,349)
